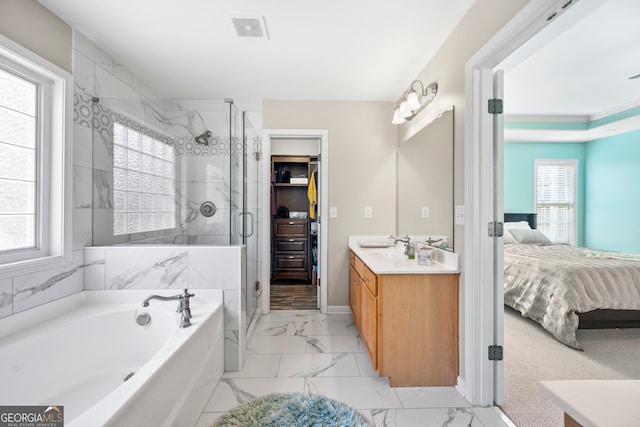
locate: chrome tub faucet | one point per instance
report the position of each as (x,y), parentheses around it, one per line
(183,305)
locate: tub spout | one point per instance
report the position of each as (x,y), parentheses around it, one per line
(145,303)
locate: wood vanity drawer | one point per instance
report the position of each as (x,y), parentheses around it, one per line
(290,228)
(370,281)
(290,245)
(291,263)
(352,258)
(359,266)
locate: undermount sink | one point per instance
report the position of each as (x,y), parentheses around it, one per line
(388,256)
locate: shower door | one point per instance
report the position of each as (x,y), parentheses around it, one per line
(246,151)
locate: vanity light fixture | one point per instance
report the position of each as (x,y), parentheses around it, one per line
(412,101)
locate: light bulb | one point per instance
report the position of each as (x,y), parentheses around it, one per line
(413,103)
(397,119)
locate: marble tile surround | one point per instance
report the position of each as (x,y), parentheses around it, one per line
(176,267)
(283,356)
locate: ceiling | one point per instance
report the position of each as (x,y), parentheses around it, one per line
(361,50)
(576,69)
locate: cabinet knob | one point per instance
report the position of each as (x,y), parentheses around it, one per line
(291,257)
(291,223)
(292,240)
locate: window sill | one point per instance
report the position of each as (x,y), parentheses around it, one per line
(33,265)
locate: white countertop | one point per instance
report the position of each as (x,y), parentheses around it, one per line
(393,261)
(597,403)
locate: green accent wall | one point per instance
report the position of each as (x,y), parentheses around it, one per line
(519,160)
(613,193)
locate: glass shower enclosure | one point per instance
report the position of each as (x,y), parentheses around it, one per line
(176,171)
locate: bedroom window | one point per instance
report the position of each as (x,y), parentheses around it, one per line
(555,199)
(35,208)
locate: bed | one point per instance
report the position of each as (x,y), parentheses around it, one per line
(565,287)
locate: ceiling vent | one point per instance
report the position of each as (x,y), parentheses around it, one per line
(249,26)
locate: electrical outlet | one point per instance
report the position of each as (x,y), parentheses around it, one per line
(333,212)
(425,212)
(368,212)
(459,215)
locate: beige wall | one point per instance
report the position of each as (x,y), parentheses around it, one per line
(447,68)
(362,171)
(347,165)
(31,25)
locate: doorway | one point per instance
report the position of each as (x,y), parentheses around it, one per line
(483,205)
(294,168)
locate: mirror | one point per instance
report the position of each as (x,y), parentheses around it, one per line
(425,180)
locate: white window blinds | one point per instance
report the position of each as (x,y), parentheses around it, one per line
(555,199)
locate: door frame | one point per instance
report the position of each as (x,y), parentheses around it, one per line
(323,213)
(479,385)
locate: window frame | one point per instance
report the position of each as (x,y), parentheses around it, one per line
(54,170)
(564,162)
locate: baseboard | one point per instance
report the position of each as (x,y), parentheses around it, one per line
(338,309)
(461,386)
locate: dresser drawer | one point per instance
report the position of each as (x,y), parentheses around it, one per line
(290,245)
(291,263)
(290,228)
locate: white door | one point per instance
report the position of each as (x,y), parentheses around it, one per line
(488,249)
(498,247)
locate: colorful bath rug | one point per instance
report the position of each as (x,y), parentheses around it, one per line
(292,410)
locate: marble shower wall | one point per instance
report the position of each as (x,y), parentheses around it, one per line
(176,267)
(204,172)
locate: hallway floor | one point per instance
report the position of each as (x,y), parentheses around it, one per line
(293,297)
(307,351)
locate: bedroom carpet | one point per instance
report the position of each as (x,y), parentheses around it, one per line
(532,354)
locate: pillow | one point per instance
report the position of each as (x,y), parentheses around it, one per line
(508,237)
(529,236)
(517,225)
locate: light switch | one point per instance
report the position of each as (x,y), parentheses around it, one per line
(333,212)
(425,212)
(459,215)
(368,212)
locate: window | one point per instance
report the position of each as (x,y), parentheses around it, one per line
(555,199)
(35,170)
(143,182)
(18,162)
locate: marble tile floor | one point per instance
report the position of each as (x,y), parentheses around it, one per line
(307,351)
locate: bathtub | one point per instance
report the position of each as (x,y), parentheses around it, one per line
(78,351)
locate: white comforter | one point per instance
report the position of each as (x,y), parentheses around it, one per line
(550,283)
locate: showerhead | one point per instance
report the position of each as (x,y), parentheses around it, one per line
(203,139)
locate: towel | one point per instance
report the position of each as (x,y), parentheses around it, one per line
(312,194)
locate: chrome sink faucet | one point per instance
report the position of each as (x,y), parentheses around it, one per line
(183,305)
(408,247)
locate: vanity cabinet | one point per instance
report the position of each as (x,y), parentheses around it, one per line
(354,289)
(363,301)
(408,323)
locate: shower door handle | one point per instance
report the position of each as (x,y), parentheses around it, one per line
(250,221)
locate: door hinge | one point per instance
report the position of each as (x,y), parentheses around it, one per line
(495,106)
(496,229)
(495,352)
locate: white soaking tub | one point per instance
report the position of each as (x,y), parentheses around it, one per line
(77,352)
